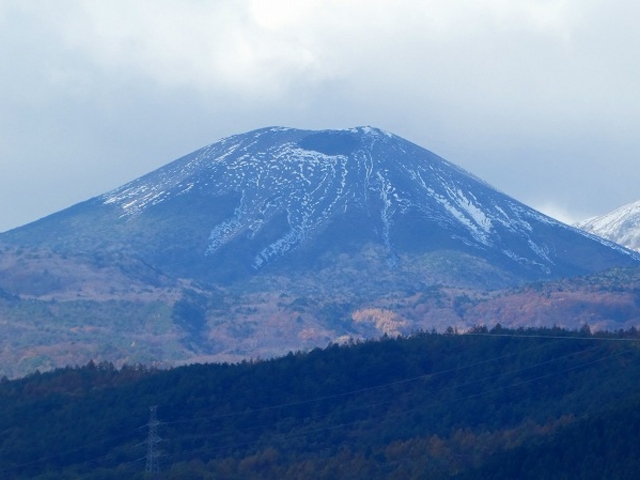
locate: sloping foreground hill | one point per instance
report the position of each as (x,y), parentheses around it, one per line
(428,406)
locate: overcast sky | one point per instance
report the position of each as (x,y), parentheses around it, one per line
(541,99)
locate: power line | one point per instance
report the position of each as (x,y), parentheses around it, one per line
(365,389)
(312,431)
(152,466)
(432,404)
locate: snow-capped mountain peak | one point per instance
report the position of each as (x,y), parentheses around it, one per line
(313,176)
(621,226)
(288,198)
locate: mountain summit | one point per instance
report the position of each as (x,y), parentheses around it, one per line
(284,200)
(621,226)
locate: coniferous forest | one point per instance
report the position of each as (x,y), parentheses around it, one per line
(487,404)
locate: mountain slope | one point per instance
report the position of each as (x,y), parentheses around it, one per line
(280,240)
(286,201)
(621,226)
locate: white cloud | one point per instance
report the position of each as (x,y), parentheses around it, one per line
(251,47)
(209,46)
(559,212)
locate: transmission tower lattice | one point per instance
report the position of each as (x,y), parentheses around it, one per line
(152,468)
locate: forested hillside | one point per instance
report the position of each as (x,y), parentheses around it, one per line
(487,404)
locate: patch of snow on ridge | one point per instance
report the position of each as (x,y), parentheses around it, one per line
(223,233)
(279,247)
(372,131)
(541,252)
(476,232)
(474,212)
(525,261)
(465,212)
(385,189)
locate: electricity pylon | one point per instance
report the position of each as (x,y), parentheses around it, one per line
(152,468)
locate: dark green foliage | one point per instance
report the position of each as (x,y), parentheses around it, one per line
(338,315)
(488,404)
(190,314)
(84,330)
(7,296)
(603,445)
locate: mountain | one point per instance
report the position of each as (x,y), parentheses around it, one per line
(280,240)
(286,201)
(621,226)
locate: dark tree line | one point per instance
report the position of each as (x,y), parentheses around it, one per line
(487,404)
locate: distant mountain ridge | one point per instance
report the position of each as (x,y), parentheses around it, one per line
(621,226)
(288,199)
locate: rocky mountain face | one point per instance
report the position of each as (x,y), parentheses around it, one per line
(621,226)
(287,200)
(276,240)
